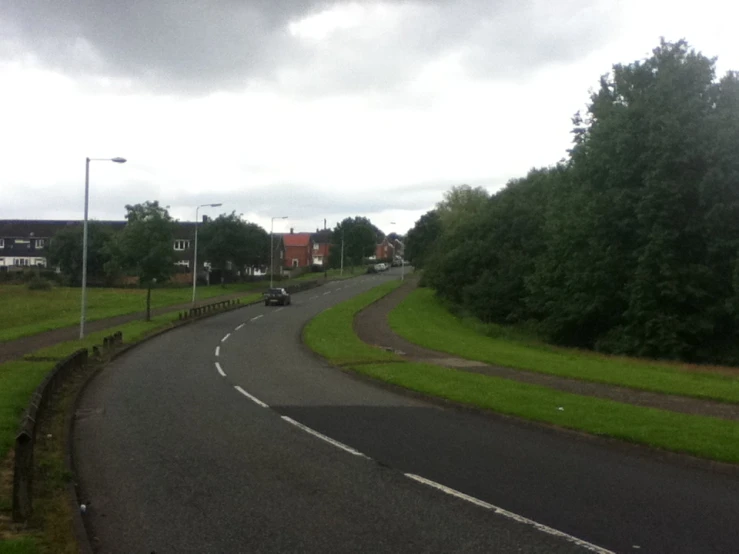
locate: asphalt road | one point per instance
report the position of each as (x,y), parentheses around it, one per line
(177,453)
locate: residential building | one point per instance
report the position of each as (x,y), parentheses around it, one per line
(298,249)
(321,247)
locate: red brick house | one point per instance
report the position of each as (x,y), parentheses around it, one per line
(298,250)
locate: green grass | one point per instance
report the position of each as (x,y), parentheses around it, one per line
(27,312)
(18,380)
(331,334)
(422,319)
(707,437)
(21,545)
(132,332)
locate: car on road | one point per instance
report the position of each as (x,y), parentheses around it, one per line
(277,296)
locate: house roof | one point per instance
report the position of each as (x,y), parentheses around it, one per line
(296,239)
(42,227)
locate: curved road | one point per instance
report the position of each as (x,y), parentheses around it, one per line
(228,436)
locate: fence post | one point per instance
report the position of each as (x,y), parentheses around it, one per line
(22,476)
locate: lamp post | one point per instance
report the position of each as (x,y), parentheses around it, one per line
(341,272)
(272,248)
(195,253)
(402,260)
(84,236)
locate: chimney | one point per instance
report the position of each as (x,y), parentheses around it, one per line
(324,224)
(291,230)
(205,219)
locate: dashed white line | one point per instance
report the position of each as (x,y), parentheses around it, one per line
(280,309)
(224,339)
(325,438)
(239,327)
(327,292)
(218,350)
(313,297)
(257,317)
(250,397)
(510,515)
(220,370)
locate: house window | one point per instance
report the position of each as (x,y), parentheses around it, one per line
(20,261)
(186,263)
(181,244)
(2,243)
(40,243)
(315,246)
(295,262)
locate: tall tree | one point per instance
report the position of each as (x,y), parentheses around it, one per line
(145,246)
(359,237)
(422,238)
(228,239)
(65,251)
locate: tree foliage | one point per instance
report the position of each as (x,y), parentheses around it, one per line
(145,246)
(229,239)
(65,251)
(421,239)
(359,237)
(631,245)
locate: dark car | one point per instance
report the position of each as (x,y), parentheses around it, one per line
(277,296)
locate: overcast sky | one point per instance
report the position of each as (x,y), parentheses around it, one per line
(310,109)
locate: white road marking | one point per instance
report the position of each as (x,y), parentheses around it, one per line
(313,297)
(218,367)
(280,309)
(325,438)
(510,515)
(327,292)
(224,339)
(257,317)
(239,327)
(218,350)
(250,397)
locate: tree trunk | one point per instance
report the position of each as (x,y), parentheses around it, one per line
(148,302)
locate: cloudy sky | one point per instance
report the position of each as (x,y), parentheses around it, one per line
(306,108)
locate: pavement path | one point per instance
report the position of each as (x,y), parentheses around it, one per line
(229,436)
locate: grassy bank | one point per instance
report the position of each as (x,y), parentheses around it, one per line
(330,334)
(422,319)
(27,312)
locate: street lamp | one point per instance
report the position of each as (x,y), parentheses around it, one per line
(84,236)
(402,260)
(272,248)
(195,255)
(341,272)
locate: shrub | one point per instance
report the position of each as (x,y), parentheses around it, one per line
(38,283)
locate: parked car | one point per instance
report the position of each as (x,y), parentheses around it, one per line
(371,269)
(277,296)
(380,267)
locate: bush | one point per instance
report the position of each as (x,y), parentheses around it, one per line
(38,283)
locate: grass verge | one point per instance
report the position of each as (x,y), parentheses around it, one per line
(28,312)
(422,319)
(331,335)
(707,437)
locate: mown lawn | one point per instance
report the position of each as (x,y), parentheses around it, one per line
(422,319)
(331,335)
(27,312)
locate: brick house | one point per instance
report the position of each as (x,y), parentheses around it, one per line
(388,249)
(298,250)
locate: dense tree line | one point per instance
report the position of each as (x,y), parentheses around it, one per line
(631,244)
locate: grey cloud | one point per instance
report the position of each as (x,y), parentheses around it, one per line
(194,46)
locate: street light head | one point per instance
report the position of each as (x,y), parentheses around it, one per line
(118,160)
(215,205)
